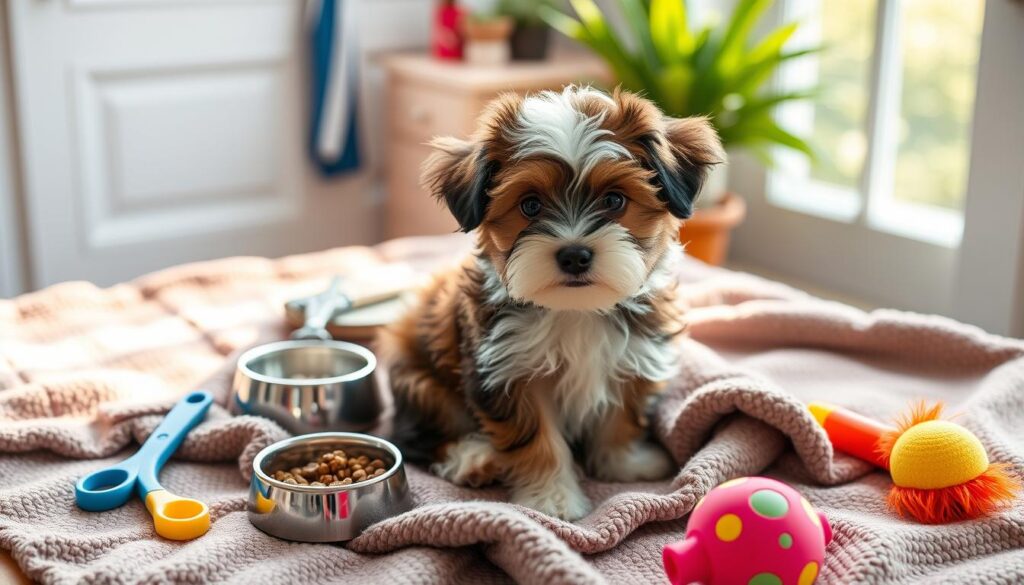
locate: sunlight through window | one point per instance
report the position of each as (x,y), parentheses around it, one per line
(892,118)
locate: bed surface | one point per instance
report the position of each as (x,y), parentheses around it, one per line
(86,373)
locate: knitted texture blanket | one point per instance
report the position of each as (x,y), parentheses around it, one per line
(86,373)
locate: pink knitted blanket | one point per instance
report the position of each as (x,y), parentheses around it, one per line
(85,374)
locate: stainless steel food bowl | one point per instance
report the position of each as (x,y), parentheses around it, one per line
(325,514)
(309,386)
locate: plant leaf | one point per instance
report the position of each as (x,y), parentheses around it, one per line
(766,103)
(772,132)
(676,82)
(564,24)
(750,79)
(716,72)
(744,17)
(669,32)
(631,74)
(636,16)
(772,43)
(606,46)
(594,21)
(762,153)
(703,49)
(764,130)
(706,89)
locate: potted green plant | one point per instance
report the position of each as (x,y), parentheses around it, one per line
(529,40)
(714,71)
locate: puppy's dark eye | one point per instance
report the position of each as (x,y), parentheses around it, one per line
(530,206)
(613,202)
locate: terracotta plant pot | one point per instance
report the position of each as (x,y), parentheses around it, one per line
(491,29)
(487,41)
(706,233)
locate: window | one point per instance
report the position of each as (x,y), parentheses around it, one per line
(892,119)
(918,200)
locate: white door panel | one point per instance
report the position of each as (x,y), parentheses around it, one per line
(219,139)
(192,151)
(157,135)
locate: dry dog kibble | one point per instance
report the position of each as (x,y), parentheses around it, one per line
(333,469)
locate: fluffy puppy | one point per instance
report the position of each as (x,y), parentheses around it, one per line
(551,340)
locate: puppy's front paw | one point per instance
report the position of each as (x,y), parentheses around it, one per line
(470,462)
(560,497)
(639,461)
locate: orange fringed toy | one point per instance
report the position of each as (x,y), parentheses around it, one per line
(940,470)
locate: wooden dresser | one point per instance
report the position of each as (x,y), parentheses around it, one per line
(429,98)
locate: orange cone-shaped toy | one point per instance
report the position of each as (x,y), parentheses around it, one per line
(940,470)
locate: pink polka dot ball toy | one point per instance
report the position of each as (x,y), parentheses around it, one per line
(750,531)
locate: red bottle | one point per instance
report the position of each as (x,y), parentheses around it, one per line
(446,41)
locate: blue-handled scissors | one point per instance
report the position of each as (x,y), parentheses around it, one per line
(174,517)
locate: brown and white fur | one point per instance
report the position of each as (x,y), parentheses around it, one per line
(527,354)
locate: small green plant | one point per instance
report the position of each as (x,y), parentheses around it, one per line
(715,71)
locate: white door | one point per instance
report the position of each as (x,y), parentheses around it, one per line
(155,132)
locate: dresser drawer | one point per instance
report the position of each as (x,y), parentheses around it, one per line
(419,113)
(410,210)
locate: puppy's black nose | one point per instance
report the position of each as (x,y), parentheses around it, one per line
(575,259)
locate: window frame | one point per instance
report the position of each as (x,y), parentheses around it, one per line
(979,282)
(989,284)
(872,203)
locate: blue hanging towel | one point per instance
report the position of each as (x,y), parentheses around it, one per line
(334,132)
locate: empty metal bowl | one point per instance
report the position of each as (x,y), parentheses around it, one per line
(309,386)
(325,514)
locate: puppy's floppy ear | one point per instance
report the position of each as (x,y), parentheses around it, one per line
(459,174)
(681,160)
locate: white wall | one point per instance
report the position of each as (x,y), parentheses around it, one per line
(385,25)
